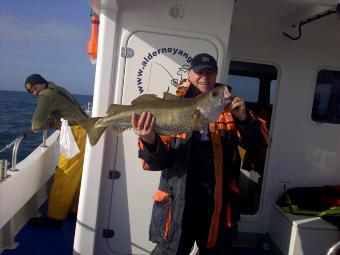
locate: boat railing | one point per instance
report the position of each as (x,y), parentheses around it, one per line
(88,108)
(16,144)
(334,249)
(44,139)
(15,152)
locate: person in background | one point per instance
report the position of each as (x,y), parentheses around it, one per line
(198,195)
(54,103)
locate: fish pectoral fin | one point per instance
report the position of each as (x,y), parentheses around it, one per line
(199,120)
(112,108)
(196,115)
(195,119)
(168,96)
(146,98)
(119,130)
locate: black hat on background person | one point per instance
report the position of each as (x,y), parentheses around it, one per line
(34,79)
(202,61)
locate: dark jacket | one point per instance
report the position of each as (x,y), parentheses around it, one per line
(172,156)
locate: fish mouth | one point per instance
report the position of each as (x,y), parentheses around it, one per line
(227,97)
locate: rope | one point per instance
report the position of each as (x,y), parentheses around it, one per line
(9,145)
(14,141)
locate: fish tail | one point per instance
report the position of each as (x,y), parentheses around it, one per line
(94,133)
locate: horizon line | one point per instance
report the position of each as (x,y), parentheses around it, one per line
(1,89)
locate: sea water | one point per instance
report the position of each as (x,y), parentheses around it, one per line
(16,110)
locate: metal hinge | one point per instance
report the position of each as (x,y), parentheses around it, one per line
(127,52)
(108,233)
(113,175)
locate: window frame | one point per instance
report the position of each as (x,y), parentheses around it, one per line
(263,100)
(316,74)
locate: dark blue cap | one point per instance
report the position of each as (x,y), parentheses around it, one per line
(34,79)
(202,61)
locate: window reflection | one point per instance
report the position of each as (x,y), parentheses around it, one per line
(326,104)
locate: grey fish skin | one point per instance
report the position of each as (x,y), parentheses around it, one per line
(173,114)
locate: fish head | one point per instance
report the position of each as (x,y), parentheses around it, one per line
(212,103)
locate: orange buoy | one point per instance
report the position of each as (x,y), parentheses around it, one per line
(92,44)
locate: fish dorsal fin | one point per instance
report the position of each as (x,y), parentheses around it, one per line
(112,108)
(168,96)
(146,98)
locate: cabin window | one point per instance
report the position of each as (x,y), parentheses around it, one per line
(247,86)
(326,104)
(272,91)
(256,84)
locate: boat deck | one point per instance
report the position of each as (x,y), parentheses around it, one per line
(33,241)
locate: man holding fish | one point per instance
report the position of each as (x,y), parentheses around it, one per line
(198,195)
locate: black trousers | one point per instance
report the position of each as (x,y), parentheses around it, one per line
(224,247)
(196,227)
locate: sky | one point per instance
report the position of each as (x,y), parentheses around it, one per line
(48,37)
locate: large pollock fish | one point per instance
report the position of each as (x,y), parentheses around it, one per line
(174,115)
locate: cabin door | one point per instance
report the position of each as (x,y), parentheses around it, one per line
(153,63)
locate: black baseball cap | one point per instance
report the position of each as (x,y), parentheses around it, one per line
(34,79)
(203,60)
